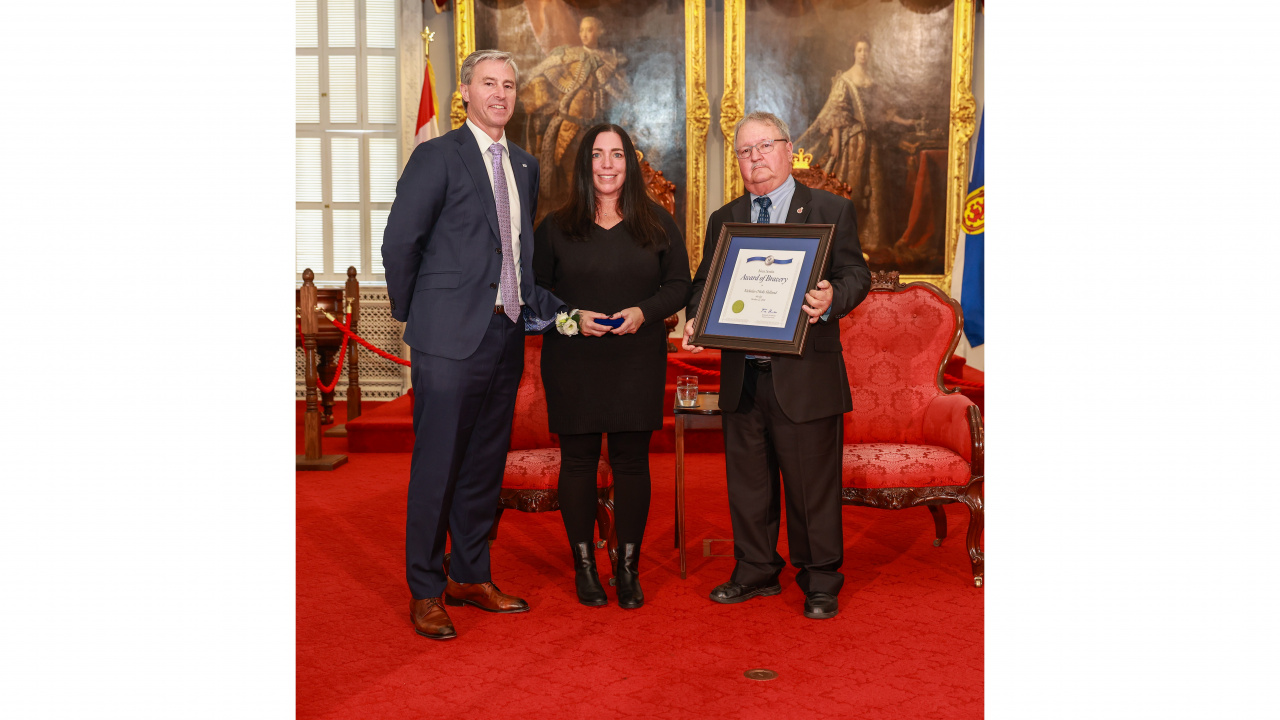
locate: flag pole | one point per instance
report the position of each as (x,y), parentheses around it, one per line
(428,108)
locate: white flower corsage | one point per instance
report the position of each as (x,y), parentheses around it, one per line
(567,323)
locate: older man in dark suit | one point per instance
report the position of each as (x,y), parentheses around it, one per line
(458,253)
(784,412)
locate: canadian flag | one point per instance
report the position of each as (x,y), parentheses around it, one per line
(427,109)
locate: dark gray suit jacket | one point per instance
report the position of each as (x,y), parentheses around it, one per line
(442,251)
(815,384)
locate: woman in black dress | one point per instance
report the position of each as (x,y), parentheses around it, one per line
(613,250)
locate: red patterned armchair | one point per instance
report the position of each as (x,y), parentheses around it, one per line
(909,441)
(533,462)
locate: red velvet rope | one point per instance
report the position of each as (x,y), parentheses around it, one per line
(342,356)
(700,371)
(346,331)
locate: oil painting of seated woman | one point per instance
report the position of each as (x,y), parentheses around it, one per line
(852,138)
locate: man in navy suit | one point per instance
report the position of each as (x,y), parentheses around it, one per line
(458,253)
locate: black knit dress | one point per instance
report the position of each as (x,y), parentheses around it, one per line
(612,383)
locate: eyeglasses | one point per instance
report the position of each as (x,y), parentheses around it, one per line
(764,146)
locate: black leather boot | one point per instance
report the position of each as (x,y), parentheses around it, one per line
(590,591)
(630,596)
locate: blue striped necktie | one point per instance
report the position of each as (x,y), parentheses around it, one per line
(764,203)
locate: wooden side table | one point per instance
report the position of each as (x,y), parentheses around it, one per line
(703,416)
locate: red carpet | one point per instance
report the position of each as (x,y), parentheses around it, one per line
(908,642)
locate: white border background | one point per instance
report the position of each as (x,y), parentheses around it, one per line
(147,163)
(147,544)
(1132,158)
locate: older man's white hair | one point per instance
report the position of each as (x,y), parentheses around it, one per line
(761,116)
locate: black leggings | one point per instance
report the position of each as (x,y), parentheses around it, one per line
(629,458)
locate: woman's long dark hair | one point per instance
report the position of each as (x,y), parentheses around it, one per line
(639,213)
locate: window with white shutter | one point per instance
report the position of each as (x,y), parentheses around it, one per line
(347,135)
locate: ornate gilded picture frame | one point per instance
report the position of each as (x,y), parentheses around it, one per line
(615,61)
(879,93)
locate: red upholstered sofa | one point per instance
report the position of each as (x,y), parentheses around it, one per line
(533,462)
(909,441)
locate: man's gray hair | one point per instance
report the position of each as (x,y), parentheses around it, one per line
(479,56)
(761,116)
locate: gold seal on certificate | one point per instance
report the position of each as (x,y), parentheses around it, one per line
(761,289)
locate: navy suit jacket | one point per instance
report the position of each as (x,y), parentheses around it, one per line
(442,251)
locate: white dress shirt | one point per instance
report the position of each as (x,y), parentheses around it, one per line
(513,195)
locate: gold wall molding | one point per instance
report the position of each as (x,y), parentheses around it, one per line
(733,102)
(464,43)
(697,124)
(963,117)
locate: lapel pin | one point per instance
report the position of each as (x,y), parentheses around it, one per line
(799,210)
(523,165)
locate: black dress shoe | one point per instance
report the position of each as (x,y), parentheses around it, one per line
(731,592)
(585,577)
(627,573)
(820,605)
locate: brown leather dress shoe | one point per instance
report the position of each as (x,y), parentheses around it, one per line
(430,619)
(485,596)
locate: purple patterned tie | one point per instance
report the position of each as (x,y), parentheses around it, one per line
(510,299)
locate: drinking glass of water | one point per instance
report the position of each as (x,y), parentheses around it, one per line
(687,390)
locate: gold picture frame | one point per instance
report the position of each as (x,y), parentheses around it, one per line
(961,118)
(697,119)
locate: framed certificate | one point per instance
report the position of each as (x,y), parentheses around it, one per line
(756,286)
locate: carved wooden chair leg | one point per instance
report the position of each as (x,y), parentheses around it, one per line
(608,531)
(604,518)
(493,532)
(612,540)
(939,523)
(973,499)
